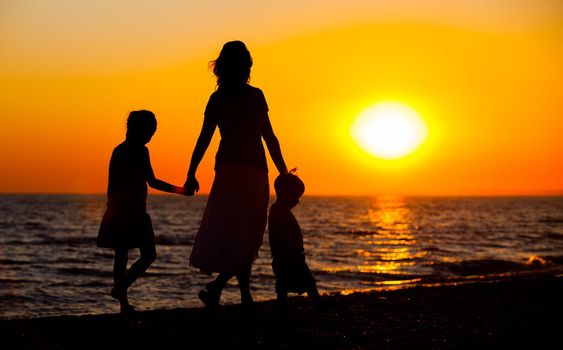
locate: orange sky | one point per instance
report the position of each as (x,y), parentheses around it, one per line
(486,76)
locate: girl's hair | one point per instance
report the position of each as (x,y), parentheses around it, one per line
(289,186)
(232,67)
(141,122)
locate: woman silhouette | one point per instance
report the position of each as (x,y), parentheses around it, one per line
(235,216)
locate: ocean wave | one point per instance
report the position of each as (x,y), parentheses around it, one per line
(551,220)
(355,275)
(551,259)
(18,281)
(51,240)
(22,242)
(174,273)
(359,232)
(479,267)
(84,271)
(553,235)
(174,241)
(7,225)
(9,261)
(33,225)
(15,297)
(494,266)
(80,283)
(72,241)
(90,240)
(436,249)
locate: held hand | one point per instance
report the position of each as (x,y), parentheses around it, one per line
(191,186)
(182,191)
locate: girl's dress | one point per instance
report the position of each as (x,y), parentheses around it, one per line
(126,224)
(235,216)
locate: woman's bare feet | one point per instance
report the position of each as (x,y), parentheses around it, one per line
(209,297)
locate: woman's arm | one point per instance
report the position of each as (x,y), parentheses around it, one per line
(207,130)
(273,145)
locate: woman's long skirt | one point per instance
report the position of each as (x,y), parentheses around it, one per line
(234,220)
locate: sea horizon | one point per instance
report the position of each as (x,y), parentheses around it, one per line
(272,194)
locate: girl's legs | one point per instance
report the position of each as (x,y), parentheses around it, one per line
(119,290)
(148,255)
(123,279)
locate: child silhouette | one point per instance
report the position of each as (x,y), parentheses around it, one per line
(286,243)
(126,224)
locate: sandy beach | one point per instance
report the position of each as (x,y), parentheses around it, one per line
(524,311)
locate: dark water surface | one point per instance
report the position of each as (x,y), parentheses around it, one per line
(50,265)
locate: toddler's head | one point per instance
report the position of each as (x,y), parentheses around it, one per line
(141,125)
(289,188)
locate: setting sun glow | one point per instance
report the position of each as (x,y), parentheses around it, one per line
(365,97)
(389,130)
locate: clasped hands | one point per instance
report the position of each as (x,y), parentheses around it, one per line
(191,186)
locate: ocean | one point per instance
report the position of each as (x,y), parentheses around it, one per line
(50,265)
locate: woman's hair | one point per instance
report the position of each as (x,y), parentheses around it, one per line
(141,122)
(232,67)
(289,186)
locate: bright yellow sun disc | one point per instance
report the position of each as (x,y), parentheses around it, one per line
(389,130)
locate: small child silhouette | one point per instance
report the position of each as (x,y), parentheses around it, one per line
(126,224)
(286,243)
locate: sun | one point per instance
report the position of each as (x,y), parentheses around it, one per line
(389,130)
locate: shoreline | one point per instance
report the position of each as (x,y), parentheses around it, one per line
(525,310)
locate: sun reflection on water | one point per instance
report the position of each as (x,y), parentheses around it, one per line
(393,246)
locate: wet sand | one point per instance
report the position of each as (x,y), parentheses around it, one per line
(520,312)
